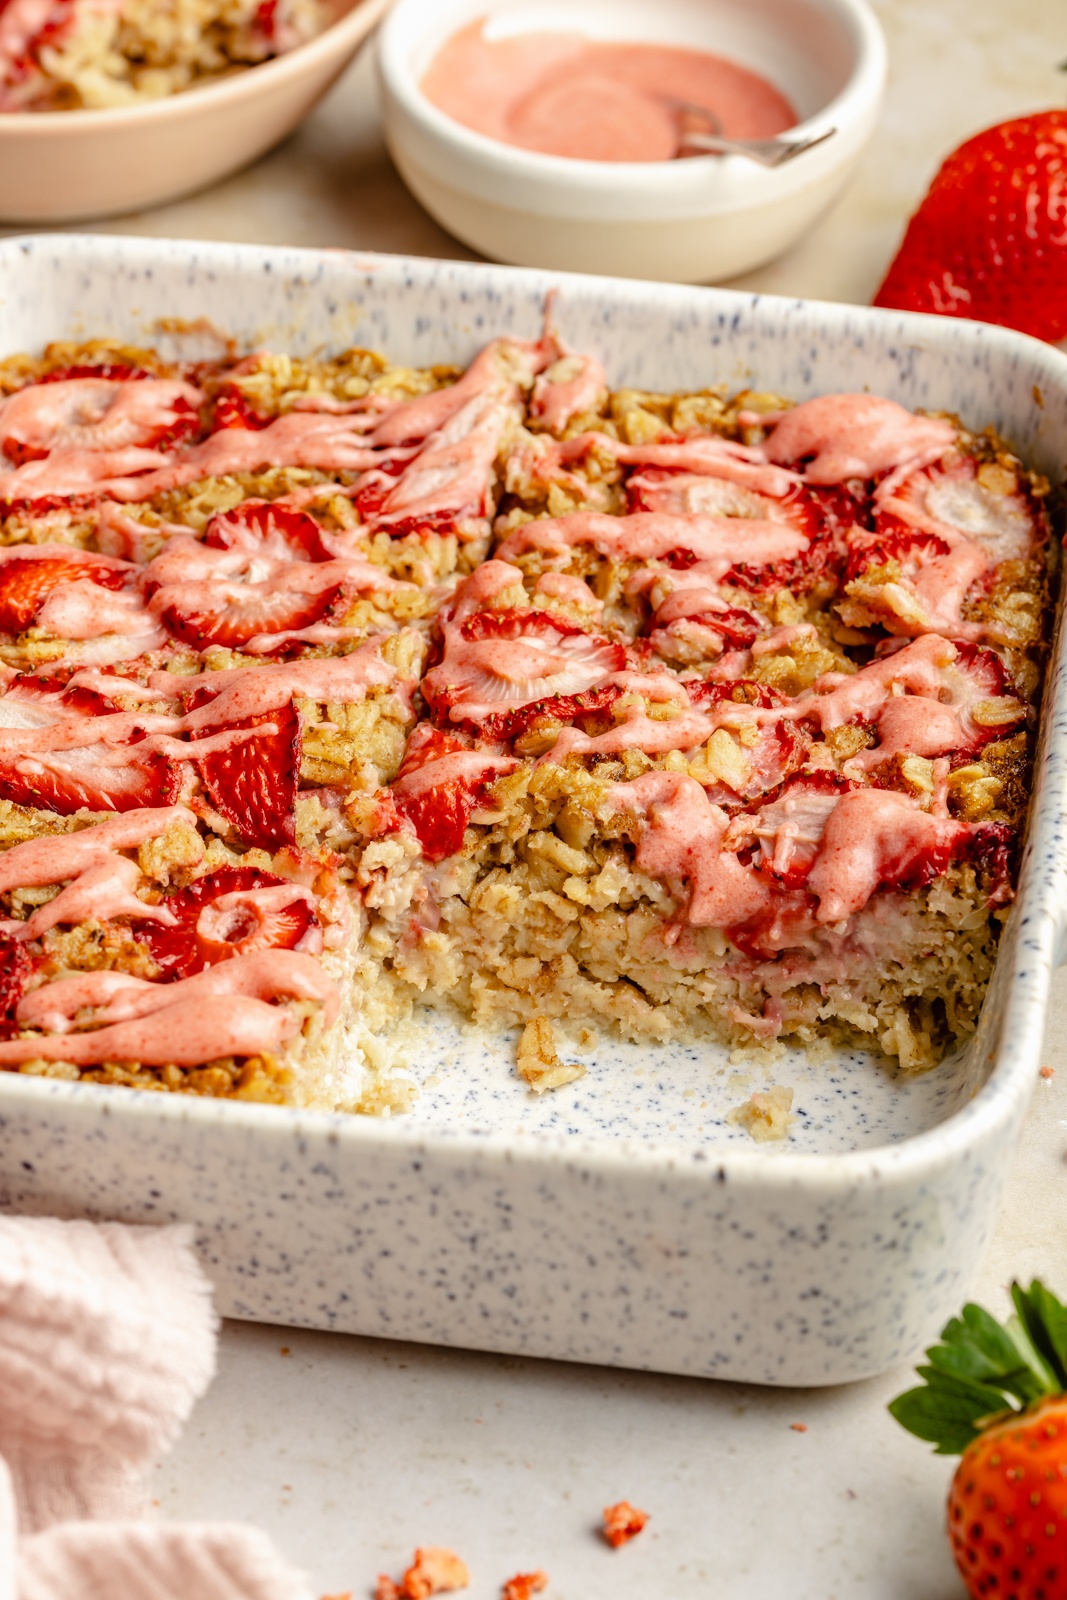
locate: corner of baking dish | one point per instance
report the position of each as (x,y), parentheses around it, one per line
(916,357)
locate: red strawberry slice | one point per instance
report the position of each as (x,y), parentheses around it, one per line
(93,777)
(496,660)
(244,613)
(196,941)
(790,828)
(737,629)
(253,784)
(117,372)
(978,675)
(439,812)
(16,966)
(892,540)
(990,239)
(266,528)
(501,725)
(1007,526)
(233,409)
(25,585)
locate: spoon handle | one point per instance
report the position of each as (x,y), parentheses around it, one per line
(768,152)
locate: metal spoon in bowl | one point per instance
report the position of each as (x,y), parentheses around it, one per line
(700,133)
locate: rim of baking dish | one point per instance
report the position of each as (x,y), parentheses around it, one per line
(1035,941)
(350,28)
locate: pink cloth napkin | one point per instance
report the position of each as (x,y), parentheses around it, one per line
(107,1339)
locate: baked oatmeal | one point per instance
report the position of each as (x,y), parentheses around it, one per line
(331,687)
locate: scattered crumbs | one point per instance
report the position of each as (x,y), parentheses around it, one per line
(1039,398)
(587,1038)
(765,1115)
(523,1585)
(285,1350)
(799,1427)
(434,1570)
(538,1062)
(622,1522)
(689,1094)
(1048,1072)
(851,1494)
(157,1503)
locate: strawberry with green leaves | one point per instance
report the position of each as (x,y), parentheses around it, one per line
(996,1394)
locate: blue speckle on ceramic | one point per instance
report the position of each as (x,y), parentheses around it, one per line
(622,1219)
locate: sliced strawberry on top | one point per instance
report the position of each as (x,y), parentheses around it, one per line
(26,584)
(220,916)
(790,828)
(266,528)
(737,629)
(440,783)
(97,414)
(117,371)
(501,725)
(242,612)
(16,967)
(233,409)
(891,540)
(495,660)
(952,495)
(821,558)
(977,685)
(94,777)
(253,784)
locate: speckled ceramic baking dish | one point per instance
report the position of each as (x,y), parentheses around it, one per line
(622,1220)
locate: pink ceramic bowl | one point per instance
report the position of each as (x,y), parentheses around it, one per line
(65,166)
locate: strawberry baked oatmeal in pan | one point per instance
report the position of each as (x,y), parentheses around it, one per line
(332,687)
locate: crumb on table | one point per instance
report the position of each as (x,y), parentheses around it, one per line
(434,1570)
(523,1585)
(622,1522)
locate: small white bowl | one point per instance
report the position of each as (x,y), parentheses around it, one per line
(692,221)
(64,166)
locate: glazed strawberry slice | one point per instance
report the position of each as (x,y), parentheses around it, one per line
(263,527)
(790,828)
(253,784)
(233,409)
(244,613)
(779,747)
(222,915)
(440,783)
(26,584)
(97,415)
(976,684)
(87,771)
(892,540)
(92,777)
(498,660)
(504,725)
(990,239)
(16,967)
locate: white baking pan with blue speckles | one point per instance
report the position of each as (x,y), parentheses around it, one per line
(622,1220)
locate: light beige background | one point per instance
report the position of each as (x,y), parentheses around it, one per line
(352,1451)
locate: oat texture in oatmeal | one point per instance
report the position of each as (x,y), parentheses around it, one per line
(330,687)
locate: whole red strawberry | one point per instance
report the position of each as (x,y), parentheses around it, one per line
(996,1394)
(990,239)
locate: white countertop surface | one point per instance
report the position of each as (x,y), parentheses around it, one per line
(350,1451)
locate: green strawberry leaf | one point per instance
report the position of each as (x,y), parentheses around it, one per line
(946,1410)
(983,1368)
(1045,1321)
(977,1346)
